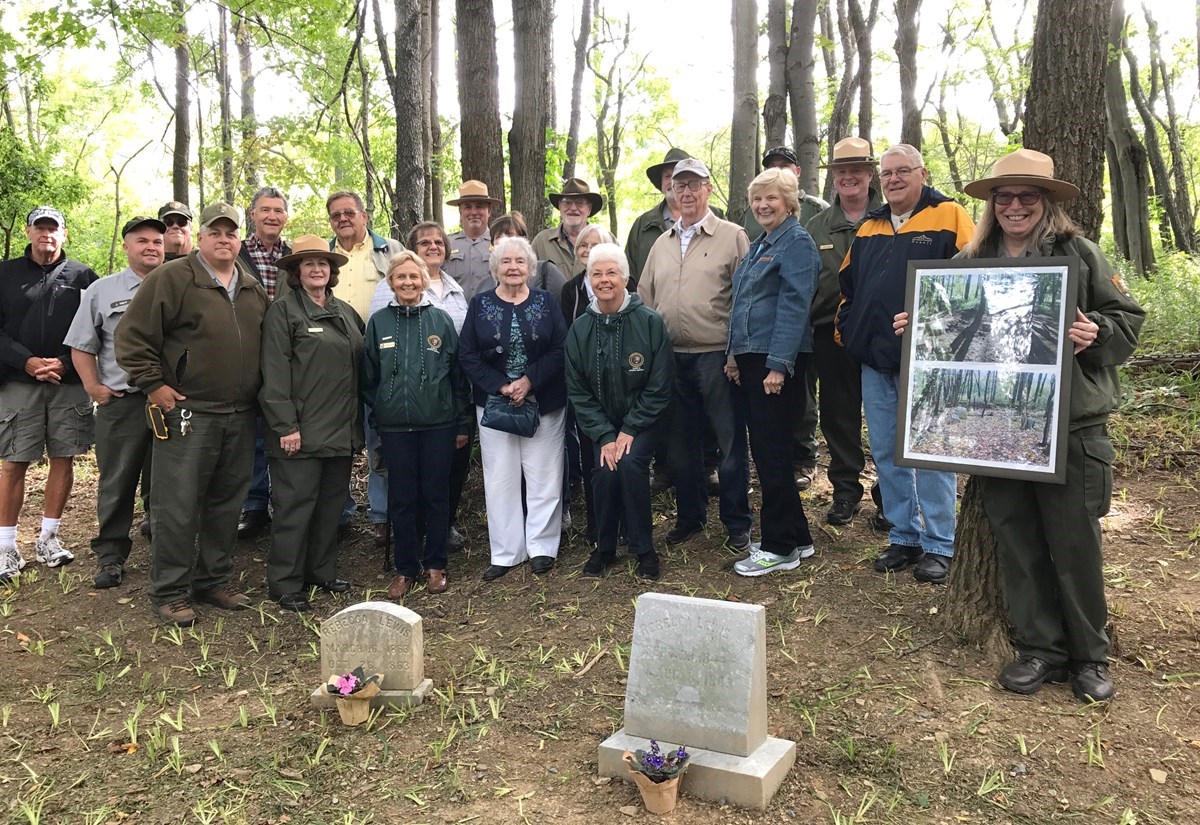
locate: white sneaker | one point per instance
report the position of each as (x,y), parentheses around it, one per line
(11,562)
(760,562)
(52,553)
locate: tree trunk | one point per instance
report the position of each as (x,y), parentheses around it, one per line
(800,65)
(581,50)
(533,33)
(1127,167)
(907,28)
(479,96)
(743,135)
(427,79)
(241,36)
(435,123)
(839,120)
(862,38)
(1064,111)
(775,107)
(613,82)
(1179,166)
(409,196)
(1004,66)
(223,84)
(364,122)
(183,107)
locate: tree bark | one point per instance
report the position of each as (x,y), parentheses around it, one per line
(479,96)
(743,135)
(839,120)
(862,37)
(775,106)
(364,119)
(183,106)
(907,30)
(800,66)
(1003,66)
(224,91)
(409,195)
(1064,112)
(241,36)
(427,47)
(1179,165)
(613,82)
(1128,170)
(581,50)
(533,33)
(435,122)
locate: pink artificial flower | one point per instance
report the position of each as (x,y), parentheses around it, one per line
(346,684)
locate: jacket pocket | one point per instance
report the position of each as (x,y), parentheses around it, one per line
(1098,455)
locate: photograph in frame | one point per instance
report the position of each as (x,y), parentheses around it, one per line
(982,386)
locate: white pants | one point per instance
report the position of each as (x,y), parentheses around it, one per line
(515,537)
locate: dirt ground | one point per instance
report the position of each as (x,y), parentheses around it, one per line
(107,717)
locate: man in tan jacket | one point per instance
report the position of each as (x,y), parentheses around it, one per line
(688,280)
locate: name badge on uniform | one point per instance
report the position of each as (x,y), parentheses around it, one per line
(766,259)
(387,343)
(456,254)
(119,304)
(825,246)
(316,329)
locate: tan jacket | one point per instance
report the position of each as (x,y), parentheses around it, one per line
(694,295)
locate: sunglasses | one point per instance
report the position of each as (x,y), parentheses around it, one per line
(175,220)
(1026,198)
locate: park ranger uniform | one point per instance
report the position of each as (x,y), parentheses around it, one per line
(467,262)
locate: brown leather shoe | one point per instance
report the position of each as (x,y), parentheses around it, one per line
(225,597)
(381,534)
(178,612)
(437,582)
(399,586)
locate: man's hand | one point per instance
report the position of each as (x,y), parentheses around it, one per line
(290,444)
(899,322)
(102,394)
(732,373)
(49,370)
(166,397)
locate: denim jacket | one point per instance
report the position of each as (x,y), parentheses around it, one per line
(773,289)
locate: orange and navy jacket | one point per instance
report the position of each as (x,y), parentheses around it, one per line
(875,271)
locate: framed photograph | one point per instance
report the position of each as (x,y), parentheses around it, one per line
(985,374)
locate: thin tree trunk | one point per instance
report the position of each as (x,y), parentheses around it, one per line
(775,107)
(226,109)
(364,123)
(479,96)
(427,47)
(1064,112)
(1179,165)
(581,49)
(744,131)
(435,123)
(533,32)
(862,38)
(241,36)
(1178,233)
(839,120)
(408,197)
(183,107)
(907,30)
(800,66)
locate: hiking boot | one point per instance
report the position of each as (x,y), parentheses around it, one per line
(738,541)
(761,562)
(109,575)
(682,531)
(50,551)
(898,557)
(1027,674)
(11,563)
(842,511)
(647,566)
(932,569)
(224,597)
(178,612)
(597,564)
(1090,682)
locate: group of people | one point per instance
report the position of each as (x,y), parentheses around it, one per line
(249,370)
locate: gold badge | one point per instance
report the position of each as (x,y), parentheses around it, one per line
(636,360)
(435,343)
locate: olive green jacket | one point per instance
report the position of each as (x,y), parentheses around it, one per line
(310,363)
(642,235)
(833,233)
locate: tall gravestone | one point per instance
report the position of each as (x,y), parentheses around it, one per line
(379,637)
(698,677)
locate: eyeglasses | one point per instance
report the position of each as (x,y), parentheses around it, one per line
(1026,198)
(175,220)
(344,213)
(573,202)
(680,186)
(430,242)
(902,172)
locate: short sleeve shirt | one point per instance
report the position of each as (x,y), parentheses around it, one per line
(101,308)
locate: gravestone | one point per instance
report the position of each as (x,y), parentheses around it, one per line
(698,678)
(379,637)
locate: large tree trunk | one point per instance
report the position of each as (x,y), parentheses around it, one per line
(743,135)
(226,110)
(241,35)
(479,96)
(1064,112)
(775,107)
(533,33)
(1127,167)
(800,64)
(975,611)
(435,123)
(409,196)
(183,114)
(907,28)
(581,50)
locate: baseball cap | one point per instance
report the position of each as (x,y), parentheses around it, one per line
(142,220)
(219,210)
(693,165)
(45,212)
(176,208)
(784,152)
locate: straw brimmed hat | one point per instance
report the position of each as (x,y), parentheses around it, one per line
(851,150)
(578,188)
(473,190)
(311,246)
(1024,167)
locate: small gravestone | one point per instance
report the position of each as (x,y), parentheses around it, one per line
(698,677)
(379,637)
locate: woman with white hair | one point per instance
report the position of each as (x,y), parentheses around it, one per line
(512,352)
(620,371)
(577,292)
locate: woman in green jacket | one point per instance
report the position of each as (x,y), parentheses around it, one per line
(420,407)
(312,344)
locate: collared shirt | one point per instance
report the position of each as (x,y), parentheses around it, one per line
(234,282)
(452,301)
(101,308)
(687,233)
(266,259)
(358,278)
(467,262)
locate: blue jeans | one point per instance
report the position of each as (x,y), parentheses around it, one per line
(260,477)
(918,502)
(703,393)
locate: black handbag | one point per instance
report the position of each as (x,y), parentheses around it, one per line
(501,414)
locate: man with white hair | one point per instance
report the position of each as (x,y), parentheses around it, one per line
(916,223)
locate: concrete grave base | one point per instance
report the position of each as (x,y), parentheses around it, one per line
(746,781)
(322,698)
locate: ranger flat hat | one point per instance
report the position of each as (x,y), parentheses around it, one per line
(578,188)
(1024,167)
(176,208)
(311,246)
(473,190)
(851,150)
(142,220)
(45,213)
(672,157)
(218,211)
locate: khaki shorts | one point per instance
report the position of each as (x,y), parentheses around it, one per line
(40,419)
